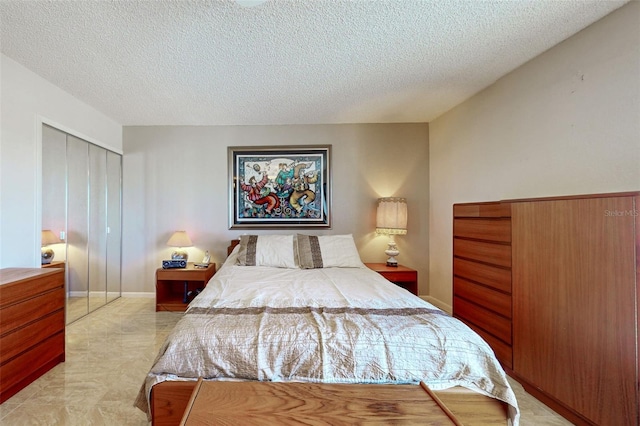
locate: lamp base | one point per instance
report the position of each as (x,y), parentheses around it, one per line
(46,255)
(179,255)
(392,251)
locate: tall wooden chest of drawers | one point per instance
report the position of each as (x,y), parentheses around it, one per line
(31,325)
(482,273)
(553,284)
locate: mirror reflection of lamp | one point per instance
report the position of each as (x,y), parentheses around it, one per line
(47,238)
(391,220)
(180,239)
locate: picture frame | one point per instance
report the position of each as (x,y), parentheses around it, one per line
(279,186)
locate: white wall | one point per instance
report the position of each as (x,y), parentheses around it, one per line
(177,178)
(567,122)
(27,100)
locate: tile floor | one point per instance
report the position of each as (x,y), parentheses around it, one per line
(108,354)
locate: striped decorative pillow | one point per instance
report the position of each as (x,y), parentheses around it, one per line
(309,254)
(267,250)
(327,251)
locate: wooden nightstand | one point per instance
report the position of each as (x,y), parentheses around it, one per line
(173,285)
(55,264)
(402,276)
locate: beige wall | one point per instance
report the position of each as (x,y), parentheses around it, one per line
(27,100)
(567,122)
(176,178)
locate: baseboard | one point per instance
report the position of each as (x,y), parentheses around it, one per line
(139,294)
(150,295)
(114,295)
(96,293)
(438,303)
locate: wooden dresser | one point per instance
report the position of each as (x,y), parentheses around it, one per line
(574,298)
(482,273)
(575,287)
(31,325)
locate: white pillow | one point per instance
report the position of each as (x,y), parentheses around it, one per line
(327,251)
(267,250)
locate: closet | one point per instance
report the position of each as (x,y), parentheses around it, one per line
(573,299)
(81,204)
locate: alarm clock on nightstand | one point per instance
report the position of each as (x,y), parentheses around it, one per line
(174,263)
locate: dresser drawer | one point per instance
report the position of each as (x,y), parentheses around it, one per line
(483,229)
(489,321)
(503,351)
(33,363)
(494,277)
(18,341)
(482,210)
(492,300)
(482,251)
(40,281)
(19,314)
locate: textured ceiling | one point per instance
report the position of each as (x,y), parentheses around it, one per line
(161,62)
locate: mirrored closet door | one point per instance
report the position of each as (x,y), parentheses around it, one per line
(81,203)
(114,225)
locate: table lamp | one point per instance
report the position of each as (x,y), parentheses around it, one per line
(179,239)
(47,238)
(391,220)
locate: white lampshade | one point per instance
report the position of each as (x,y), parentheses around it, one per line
(391,216)
(48,237)
(180,239)
(391,220)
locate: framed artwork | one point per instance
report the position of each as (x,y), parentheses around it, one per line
(280,186)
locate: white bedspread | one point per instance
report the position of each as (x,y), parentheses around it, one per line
(331,325)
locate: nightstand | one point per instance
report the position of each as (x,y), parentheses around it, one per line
(402,276)
(55,264)
(173,285)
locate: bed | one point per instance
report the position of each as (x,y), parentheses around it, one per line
(298,308)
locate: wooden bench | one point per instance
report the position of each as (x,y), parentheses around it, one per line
(266,403)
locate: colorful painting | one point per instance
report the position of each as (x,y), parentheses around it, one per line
(286,186)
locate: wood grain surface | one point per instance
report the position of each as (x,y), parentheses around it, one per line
(265,403)
(575,313)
